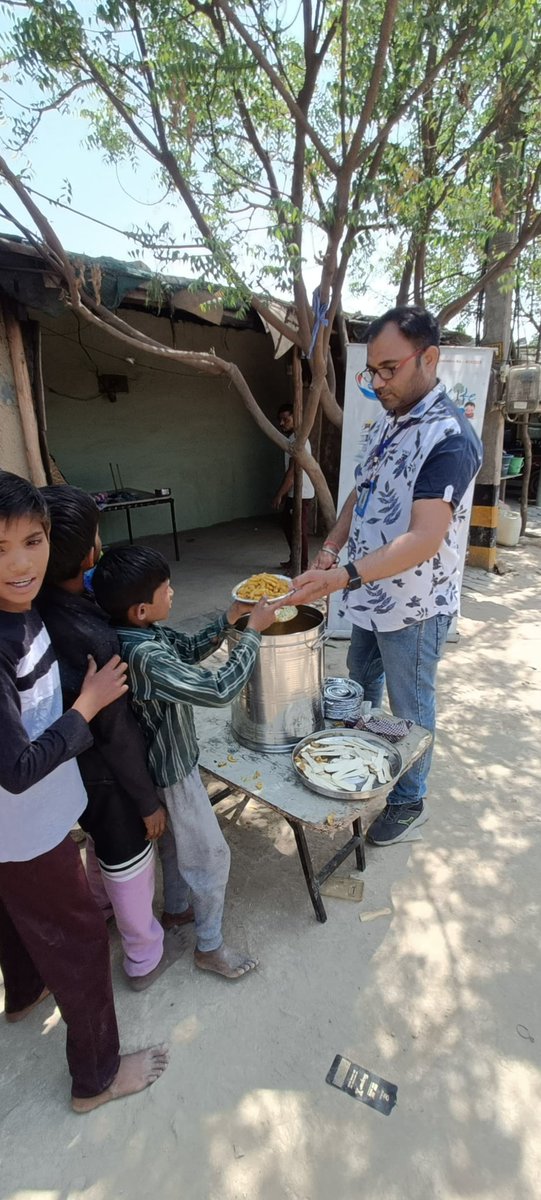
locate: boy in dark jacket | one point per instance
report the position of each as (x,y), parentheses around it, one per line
(124,815)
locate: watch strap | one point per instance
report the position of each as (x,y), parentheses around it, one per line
(355,580)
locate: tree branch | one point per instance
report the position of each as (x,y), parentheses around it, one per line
(401,109)
(289,100)
(149,76)
(46,230)
(527,235)
(385,33)
(87,310)
(343,68)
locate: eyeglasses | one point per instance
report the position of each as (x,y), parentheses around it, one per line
(386,373)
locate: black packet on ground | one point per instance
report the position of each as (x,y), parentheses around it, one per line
(363,1085)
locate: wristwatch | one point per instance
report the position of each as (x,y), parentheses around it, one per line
(355,580)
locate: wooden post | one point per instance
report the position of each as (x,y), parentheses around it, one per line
(39,394)
(315,442)
(527,444)
(497,329)
(24,396)
(296,532)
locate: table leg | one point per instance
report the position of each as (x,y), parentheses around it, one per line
(130,533)
(359,848)
(312,882)
(174,528)
(221,795)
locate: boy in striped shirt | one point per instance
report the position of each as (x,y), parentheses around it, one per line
(132,584)
(52,935)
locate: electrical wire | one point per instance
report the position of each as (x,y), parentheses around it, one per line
(117,358)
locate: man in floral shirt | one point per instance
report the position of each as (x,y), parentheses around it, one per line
(401,523)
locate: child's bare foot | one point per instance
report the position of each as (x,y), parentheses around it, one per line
(13,1017)
(225,961)
(135,1073)
(174,945)
(173,920)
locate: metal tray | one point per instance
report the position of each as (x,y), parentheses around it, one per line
(394,756)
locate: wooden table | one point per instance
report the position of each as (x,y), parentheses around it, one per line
(129,498)
(270,778)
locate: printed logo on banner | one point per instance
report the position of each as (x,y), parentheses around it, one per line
(464,400)
(363,387)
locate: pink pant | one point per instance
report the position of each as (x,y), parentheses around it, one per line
(130,900)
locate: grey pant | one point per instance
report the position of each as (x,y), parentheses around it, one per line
(195,859)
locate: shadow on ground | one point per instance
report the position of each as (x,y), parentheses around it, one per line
(442,998)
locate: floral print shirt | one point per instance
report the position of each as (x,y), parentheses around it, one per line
(431,452)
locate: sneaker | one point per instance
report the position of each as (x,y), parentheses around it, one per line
(394,823)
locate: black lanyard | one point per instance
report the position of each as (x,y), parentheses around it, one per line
(374,462)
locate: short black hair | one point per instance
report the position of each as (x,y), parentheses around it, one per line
(126,576)
(19,498)
(415,323)
(285,408)
(74,525)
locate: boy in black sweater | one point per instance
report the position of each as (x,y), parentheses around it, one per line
(124,815)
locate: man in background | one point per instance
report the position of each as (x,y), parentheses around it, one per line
(284,494)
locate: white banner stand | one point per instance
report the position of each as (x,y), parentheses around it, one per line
(465,371)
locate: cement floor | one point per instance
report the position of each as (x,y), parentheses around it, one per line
(441,997)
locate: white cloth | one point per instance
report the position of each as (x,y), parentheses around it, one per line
(308,491)
(38,819)
(195,859)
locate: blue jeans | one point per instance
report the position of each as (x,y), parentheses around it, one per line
(406,660)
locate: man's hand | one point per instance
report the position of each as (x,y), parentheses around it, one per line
(277,502)
(314,584)
(324,561)
(155,824)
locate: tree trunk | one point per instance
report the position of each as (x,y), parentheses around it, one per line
(497,330)
(296,532)
(404,289)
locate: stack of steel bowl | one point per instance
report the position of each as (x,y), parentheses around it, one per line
(342,699)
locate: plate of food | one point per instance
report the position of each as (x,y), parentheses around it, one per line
(346,764)
(251,590)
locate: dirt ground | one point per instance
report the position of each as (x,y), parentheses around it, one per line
(440,998)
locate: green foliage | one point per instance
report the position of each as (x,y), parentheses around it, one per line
(463,170)
(224,125)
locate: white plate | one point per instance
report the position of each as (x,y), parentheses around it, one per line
(235,595)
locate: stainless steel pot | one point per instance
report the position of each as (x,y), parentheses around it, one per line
(282,701)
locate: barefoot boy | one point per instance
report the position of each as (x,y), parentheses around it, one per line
(52,935)
(132,584)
